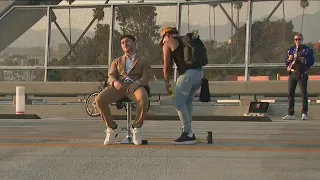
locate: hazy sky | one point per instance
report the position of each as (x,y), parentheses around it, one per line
(198,13)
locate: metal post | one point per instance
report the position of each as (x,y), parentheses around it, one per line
(129,106)
(178,24)
(178,20)
(274,9)
(48,43)
(112,15)
(248,42)
(209,23)
(228,17)
(128,138)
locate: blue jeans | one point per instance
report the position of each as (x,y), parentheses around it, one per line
(186,86)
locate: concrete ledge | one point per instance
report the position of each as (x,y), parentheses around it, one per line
(202,118)
(220,88)
(19,116)
(78,110)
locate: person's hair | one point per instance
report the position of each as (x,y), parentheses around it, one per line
(173,32)
(298,34)
(128,36)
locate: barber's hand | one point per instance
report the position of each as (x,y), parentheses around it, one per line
(132,87)
(290,58)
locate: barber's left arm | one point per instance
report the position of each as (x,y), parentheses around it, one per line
(309,58)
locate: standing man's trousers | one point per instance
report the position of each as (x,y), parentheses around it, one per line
(292,84)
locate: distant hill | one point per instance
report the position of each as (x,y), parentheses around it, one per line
(311,31)
(36,38)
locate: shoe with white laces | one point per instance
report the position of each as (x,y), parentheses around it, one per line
(289,117)
(136,136)
(111,135)
(304,116)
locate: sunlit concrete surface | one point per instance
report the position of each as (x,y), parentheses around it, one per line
(64,148)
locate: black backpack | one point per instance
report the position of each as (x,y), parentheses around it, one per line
(195,53)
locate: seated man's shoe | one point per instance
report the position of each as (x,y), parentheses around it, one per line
(111,135)
(185,139)
(136,136)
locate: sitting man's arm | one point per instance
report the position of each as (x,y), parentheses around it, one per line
(146,74)
(113,72)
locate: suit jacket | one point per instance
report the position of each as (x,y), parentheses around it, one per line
(141,70)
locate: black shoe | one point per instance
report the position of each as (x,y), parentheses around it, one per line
(185,139)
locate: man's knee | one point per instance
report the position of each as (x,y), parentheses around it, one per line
(99,100)
(141,95)
(143,101)
(102,98)
(180,100)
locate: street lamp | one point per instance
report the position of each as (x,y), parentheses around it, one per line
(230,41)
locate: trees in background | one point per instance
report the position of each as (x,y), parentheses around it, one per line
(270,40)
(139,21)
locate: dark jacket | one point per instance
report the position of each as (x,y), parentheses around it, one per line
(307,54)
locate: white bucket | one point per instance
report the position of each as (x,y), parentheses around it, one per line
(20,100)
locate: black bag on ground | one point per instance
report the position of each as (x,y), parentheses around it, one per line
(205,91)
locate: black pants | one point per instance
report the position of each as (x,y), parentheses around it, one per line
(303,82)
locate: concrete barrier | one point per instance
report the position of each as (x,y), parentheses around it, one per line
(243,92)
(217,88)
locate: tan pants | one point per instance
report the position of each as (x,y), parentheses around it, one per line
(110,95)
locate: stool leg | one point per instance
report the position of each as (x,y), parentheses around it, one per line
(128,139)
(129,105)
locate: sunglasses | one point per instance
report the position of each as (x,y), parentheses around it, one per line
(298,39)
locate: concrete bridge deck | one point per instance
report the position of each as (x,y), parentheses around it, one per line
(65,148)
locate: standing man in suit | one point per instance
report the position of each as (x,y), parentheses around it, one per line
(299,59)
(127,76)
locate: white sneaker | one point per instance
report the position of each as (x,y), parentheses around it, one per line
(111,135)
(289,117)
(136,136)
(304,117)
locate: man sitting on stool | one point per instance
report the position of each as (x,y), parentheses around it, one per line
(127,76)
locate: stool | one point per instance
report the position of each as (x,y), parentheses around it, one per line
(128,138)
(128,102)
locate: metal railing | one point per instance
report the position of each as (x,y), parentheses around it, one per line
(246,65)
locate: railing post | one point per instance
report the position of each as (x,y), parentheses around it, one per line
(248,42)
(112,15)
(48,39)
(178,24)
